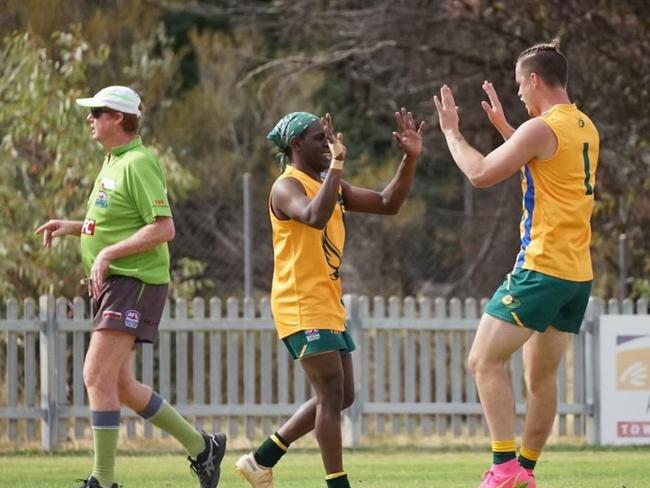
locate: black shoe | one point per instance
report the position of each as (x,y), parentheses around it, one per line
(92,482)
(207,465)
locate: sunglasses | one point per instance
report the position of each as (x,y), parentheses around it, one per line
(96,112)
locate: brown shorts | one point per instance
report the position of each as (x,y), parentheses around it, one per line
(130,305)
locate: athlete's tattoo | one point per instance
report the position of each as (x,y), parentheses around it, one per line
(455,140)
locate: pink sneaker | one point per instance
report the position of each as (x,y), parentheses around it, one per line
(506,475)
(531,479)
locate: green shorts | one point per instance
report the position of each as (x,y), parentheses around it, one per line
(535,300)
(317,341)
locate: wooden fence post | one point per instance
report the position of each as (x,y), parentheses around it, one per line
(48,354)
(595,309)
(12,368)
(353,415)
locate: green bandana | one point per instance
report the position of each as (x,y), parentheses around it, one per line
(288,127)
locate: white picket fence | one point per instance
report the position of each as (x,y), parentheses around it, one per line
(230,372)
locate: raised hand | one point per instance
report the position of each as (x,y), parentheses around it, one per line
(447,111)
(335,142)
(494,110)
(407,136)
(56,228)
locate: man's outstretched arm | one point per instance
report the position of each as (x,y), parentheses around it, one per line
(56,228)
(533,139)
(390,199)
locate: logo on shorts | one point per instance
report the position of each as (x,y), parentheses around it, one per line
(132,319)
(511,301)
(110,314)
(312,335)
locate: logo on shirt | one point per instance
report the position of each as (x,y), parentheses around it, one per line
(159,202)
(102,199)
(312,335)
(107,184)
(89,227)
(333,256)
(132,319)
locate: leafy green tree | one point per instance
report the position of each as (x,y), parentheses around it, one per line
(229,121)
(380,55)
(233,68)
(47,157)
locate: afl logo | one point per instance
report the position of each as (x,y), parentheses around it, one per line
(132,319)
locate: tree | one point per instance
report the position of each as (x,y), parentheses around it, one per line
(48,159)
(233,68)
(386,54)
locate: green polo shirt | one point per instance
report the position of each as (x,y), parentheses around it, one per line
(129,193)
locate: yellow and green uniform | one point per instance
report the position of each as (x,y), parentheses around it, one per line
(129,193)
(558,199)
(306,291)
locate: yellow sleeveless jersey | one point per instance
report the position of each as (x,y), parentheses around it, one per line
(558,198)
(306,289)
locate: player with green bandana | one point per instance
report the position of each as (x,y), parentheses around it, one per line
(307,208)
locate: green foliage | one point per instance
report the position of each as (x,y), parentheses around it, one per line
(188,279)
(379,56)
(47,156)
(229,120)
(220,74)
(641,289)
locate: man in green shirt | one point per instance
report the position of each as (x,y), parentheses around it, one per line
(126,261)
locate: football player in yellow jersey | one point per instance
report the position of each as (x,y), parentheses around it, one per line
(544,298)
(306,214)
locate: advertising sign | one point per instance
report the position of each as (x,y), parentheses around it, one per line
(625,379)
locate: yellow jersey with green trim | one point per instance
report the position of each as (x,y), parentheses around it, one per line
(306,291)
(558,199)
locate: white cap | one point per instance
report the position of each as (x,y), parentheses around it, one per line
(120,98)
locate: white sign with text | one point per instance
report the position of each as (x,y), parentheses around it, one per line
(625,379)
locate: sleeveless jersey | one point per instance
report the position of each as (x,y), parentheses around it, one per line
(558,198)
(306,290)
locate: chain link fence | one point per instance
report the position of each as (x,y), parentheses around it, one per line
(430,251)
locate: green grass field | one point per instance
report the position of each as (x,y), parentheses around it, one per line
(368,468)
